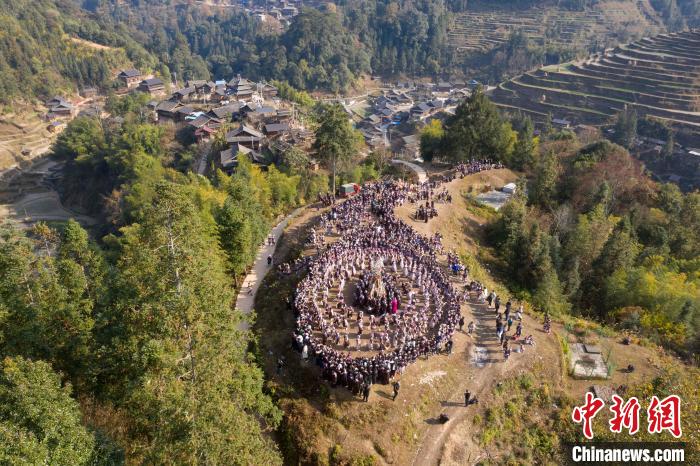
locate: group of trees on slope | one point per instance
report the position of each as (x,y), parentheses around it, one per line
(38,56)
(589,233)
(325,49)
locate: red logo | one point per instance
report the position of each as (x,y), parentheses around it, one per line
(587,412)
(625,415)
(665,415)
(661,415)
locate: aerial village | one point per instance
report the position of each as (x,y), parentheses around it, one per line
(263,126)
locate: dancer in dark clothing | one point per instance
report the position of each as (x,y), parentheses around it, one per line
(467,397)
(365,393)
(397,386)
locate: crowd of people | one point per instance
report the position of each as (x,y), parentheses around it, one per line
(404,306)
(414,315)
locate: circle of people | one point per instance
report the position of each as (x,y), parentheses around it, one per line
(418,309)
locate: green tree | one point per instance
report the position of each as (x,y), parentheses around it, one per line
(626,127)
(39,421)
(194,394)
(549,296)
(336,141)
(525,147)
(295,160)
(477,131)
(543,187)
(50,312)
(618,253)
(431,139)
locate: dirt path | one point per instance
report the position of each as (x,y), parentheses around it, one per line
(420,171)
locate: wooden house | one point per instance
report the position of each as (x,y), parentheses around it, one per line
(275,129)
(241,88)
(228,159)
(245,136)
(183,95)
(60,107)
(152,86)
(130,78)
(226,112)
(168,109)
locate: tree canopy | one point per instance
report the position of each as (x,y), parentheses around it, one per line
(477,131)
(337,142)
(596,237)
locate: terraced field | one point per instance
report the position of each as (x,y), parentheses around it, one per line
(659,76)
(610,22)
(22,139)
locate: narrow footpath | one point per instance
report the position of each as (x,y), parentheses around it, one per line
(246,295)
(420,171)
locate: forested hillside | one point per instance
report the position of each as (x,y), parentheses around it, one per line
(322,49)
(129,348)
(589,234)
(39,53)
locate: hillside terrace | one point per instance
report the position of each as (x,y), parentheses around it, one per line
(475,32)
(651,75)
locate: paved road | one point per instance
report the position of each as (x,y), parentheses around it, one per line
(246,296)
(420,171)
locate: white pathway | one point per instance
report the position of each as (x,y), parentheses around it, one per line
(420,171)
(246,296)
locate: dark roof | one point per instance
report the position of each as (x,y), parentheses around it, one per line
(242,91)
(152,82)
(239,81)
(167,106)
(185,110)
(200,121)
(264,110)
(276,127)
(225,111)
(61,107)
(185,91)
(235,139)
(423,107)
(229,157)
(132,73)
(244,129)
(56,100)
